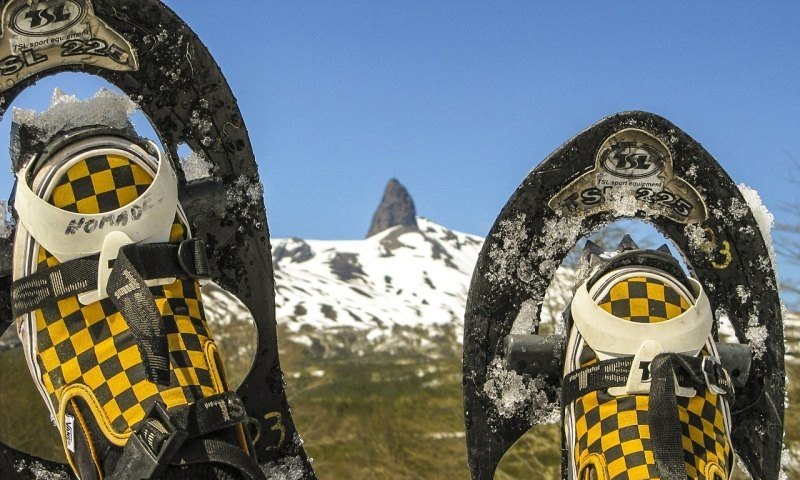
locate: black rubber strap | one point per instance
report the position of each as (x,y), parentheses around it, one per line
(46,287)
(215,451)
(130,294)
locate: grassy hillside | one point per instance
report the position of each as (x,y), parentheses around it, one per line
(377,415)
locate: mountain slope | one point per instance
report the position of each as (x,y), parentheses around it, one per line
(403,276)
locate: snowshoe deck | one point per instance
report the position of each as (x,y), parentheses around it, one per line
(629,165)
(143,48)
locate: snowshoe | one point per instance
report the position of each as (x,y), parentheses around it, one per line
(595,375)
(150,54)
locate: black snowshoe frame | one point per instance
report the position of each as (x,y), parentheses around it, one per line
(147,51)
(629,165)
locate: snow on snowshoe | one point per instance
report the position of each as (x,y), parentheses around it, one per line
(630,165)
(143,48)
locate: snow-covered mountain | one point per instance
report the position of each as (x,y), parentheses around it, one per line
(404,276)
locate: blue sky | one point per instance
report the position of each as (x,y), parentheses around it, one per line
(459,99)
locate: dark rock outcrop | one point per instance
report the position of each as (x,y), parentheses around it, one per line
(396,208)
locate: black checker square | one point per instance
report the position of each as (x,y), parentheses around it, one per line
(657,308)
(82,188)
(65,350)
(123,176)
(637,289)
(621,308)
(108,201)
(97,164)
(126,399)
(191,342)
(111,367)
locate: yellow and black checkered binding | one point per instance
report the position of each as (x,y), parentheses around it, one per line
(612,436)
(87,353)
(643,300)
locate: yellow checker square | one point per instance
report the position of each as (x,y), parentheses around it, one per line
(185,325)
(644,432)
(175,342)
(655,291)
(64,195)
(134,414)
(639,472)
(619,291)
(177,232)
(174,397)
(580,425)
(608,410)
(609,440)
(632,446)
(194,307)
(81,341)
(94,378)
(140,176)
(173,290)
(640,307)
(102,181)
(118,383)
(126,195)
(58,332)
(593,434)
(71,370)
(130,357)
(78,170)
(617,467)
(112,409)
(68,306)
(649,457)
(683,415)
(116,161)
(144,390)
(673,310)
(696,435)
(93,313)
(117,324)
(48,384)
(105,350)
(696,405)
(49,359)
(198,359)
(88,205)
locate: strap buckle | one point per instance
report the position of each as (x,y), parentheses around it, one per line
(713,372)
(144,457)
(193,259)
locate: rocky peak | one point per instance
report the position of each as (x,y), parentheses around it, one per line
(396,208)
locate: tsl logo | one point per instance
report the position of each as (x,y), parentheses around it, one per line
(47,18)
(632,160)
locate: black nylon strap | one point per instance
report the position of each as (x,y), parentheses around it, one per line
(74,277)
(665,429)
(614,373)
(46,287)
(598,376)
(129,293)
